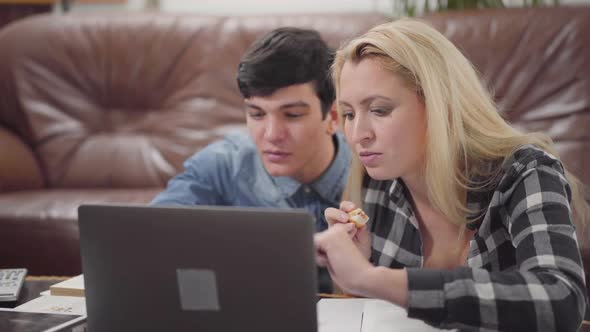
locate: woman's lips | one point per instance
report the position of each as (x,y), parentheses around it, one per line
(369,159)
(276,156)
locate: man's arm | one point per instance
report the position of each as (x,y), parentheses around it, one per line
(203,181)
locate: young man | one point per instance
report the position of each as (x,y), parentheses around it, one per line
(292,157)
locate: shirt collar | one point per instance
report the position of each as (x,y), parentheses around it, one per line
(477,201)
(397,191)
(287,186)
(331,183)
(400,197)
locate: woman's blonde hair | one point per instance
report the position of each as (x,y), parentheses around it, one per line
(465,133)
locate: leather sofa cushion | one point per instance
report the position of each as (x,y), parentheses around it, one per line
(19,169)
(48,220)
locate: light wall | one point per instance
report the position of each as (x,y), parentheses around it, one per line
(255,7)
(262,7)
(241,7)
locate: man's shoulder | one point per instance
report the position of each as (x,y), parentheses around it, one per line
(233,145)
(239,138)
(236,141)
(229,154)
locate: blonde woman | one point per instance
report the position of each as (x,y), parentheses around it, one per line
(472,222)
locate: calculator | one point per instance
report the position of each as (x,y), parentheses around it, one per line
(11,282)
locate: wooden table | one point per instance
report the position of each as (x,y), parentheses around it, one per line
(37,284)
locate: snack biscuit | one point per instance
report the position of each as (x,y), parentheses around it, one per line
(358,217)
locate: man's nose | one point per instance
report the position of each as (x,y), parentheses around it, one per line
(275,129)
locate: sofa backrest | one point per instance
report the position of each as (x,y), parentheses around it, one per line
(120,101)
(537,64)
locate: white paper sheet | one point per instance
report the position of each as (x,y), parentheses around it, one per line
(69,305)
(340,315)
(382,316)
(366,315)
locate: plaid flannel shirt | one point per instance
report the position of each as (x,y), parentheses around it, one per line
(523,272)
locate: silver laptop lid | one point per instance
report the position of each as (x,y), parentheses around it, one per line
(198,268)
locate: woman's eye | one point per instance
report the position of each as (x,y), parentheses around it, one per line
(348,115)
(381,111)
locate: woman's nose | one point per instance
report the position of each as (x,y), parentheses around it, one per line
(361,130)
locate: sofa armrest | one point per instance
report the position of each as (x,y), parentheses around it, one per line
(19,169)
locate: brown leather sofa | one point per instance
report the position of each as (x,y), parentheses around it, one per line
(97,108)
(537,64)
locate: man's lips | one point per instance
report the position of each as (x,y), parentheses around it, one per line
(277,152)
(276,156)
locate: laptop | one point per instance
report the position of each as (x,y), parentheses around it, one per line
(201,268)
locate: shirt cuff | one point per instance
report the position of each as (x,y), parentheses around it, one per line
(426,300)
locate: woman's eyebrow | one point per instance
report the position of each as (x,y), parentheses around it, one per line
(371,98)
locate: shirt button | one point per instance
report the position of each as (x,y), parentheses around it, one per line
(306,189)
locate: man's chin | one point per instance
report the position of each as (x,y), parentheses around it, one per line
(278,170)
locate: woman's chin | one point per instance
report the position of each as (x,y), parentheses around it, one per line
(379,174)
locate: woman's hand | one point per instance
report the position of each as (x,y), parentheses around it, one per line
(336,250)
(360,236)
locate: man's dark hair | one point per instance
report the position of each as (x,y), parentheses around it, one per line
(287,56)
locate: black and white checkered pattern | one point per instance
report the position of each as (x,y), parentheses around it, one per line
(524,271)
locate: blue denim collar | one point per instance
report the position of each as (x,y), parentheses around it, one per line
(330,184)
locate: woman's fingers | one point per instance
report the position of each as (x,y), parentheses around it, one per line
(335,216)
(347,206)
(321,259)
(362,238)
(336,251)
(325,239)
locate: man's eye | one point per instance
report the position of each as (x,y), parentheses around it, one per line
(255,115)
(293,115)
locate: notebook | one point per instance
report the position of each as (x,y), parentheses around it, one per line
(198,268)
(70,287)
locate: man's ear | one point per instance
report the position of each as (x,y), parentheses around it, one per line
(332,118)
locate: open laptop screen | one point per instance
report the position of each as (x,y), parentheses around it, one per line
(198,268)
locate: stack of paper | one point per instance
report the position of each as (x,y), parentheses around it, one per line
(71,287)
(66,297)
(68,305)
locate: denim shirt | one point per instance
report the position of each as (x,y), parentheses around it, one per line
(230,172)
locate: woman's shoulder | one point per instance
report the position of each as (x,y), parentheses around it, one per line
(526,160)
(528,157)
